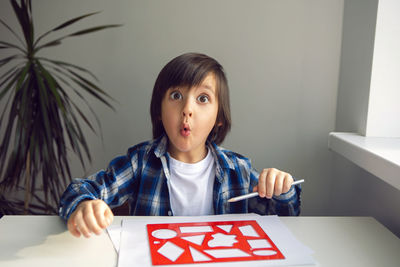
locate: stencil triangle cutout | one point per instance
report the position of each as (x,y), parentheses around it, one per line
(226,228)
(197,255)
(195,239)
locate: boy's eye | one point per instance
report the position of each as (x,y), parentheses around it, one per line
(203,99)
(175,95)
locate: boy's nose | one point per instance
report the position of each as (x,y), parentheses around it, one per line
(187,109)
(187,113)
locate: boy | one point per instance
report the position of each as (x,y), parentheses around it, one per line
(182,171)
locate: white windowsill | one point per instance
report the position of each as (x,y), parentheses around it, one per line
(378,155)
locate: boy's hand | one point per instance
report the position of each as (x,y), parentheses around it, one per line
(273,182)
(91,216)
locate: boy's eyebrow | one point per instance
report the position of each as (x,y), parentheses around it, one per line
(208,87)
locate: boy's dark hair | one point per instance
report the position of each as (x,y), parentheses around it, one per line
(190,70)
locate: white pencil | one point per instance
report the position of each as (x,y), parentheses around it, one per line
(254,194)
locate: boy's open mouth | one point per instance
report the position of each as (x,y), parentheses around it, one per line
(185,130)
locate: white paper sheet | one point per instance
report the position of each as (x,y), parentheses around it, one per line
(134,246)
(114,232)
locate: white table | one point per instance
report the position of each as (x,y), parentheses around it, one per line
(337,241)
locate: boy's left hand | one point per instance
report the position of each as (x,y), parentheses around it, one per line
(273,182)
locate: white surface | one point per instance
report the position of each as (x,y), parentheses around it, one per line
(222,240)
(164,233)
(114,232)
(197,255)
(383,106)
(196,239)
(44,241)
(227,253)
(170,251)
(259,243)
(226,228)
(134,247)
(378,155)
(195,229)
(248,231)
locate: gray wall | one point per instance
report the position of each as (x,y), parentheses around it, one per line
(354,191)
(281,57)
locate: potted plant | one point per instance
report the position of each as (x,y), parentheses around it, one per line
(40,121)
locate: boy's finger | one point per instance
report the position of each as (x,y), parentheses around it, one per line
(279,184)
(270,184)
(91,221)
(109,216)
(287,183)
(261,183)
(72,227)
(81,225)
(99,212)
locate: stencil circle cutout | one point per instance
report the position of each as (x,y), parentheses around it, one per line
(264,252)
(164,233)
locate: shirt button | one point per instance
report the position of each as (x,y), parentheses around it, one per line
(169,213)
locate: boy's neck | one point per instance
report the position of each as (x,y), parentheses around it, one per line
(193,156)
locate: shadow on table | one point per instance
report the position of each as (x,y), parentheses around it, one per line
(46,242)
(19,234)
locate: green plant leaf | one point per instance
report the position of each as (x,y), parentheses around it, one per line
(6,60)
(77,108)
(89,87)
(4,110)
(10,45)
(25,111)
(64,65)
(14,78)
(43,99)
(83,99)
(51,85)
(6,141)
(43,122)
(86,31)
(12,69)
(10,84)
(65,24)
(12,31)
(95,29)
(93,93)
(52,43)
(81,137)
(24,20)
(22,76)
(90,84)
(11,75)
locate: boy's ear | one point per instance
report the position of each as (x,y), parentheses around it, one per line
(219,124)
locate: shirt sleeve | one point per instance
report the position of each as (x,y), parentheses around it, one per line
(113,186)
(287,204)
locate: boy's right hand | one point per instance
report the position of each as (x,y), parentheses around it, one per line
(91,216)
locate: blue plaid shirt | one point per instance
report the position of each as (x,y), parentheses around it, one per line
(140,177)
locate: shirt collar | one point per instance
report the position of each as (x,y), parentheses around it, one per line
(222,161)
(161,146)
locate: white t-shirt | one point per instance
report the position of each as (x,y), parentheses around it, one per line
(191,186)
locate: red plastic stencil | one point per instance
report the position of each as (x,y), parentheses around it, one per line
(207,242)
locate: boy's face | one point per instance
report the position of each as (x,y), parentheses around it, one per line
(188,116)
